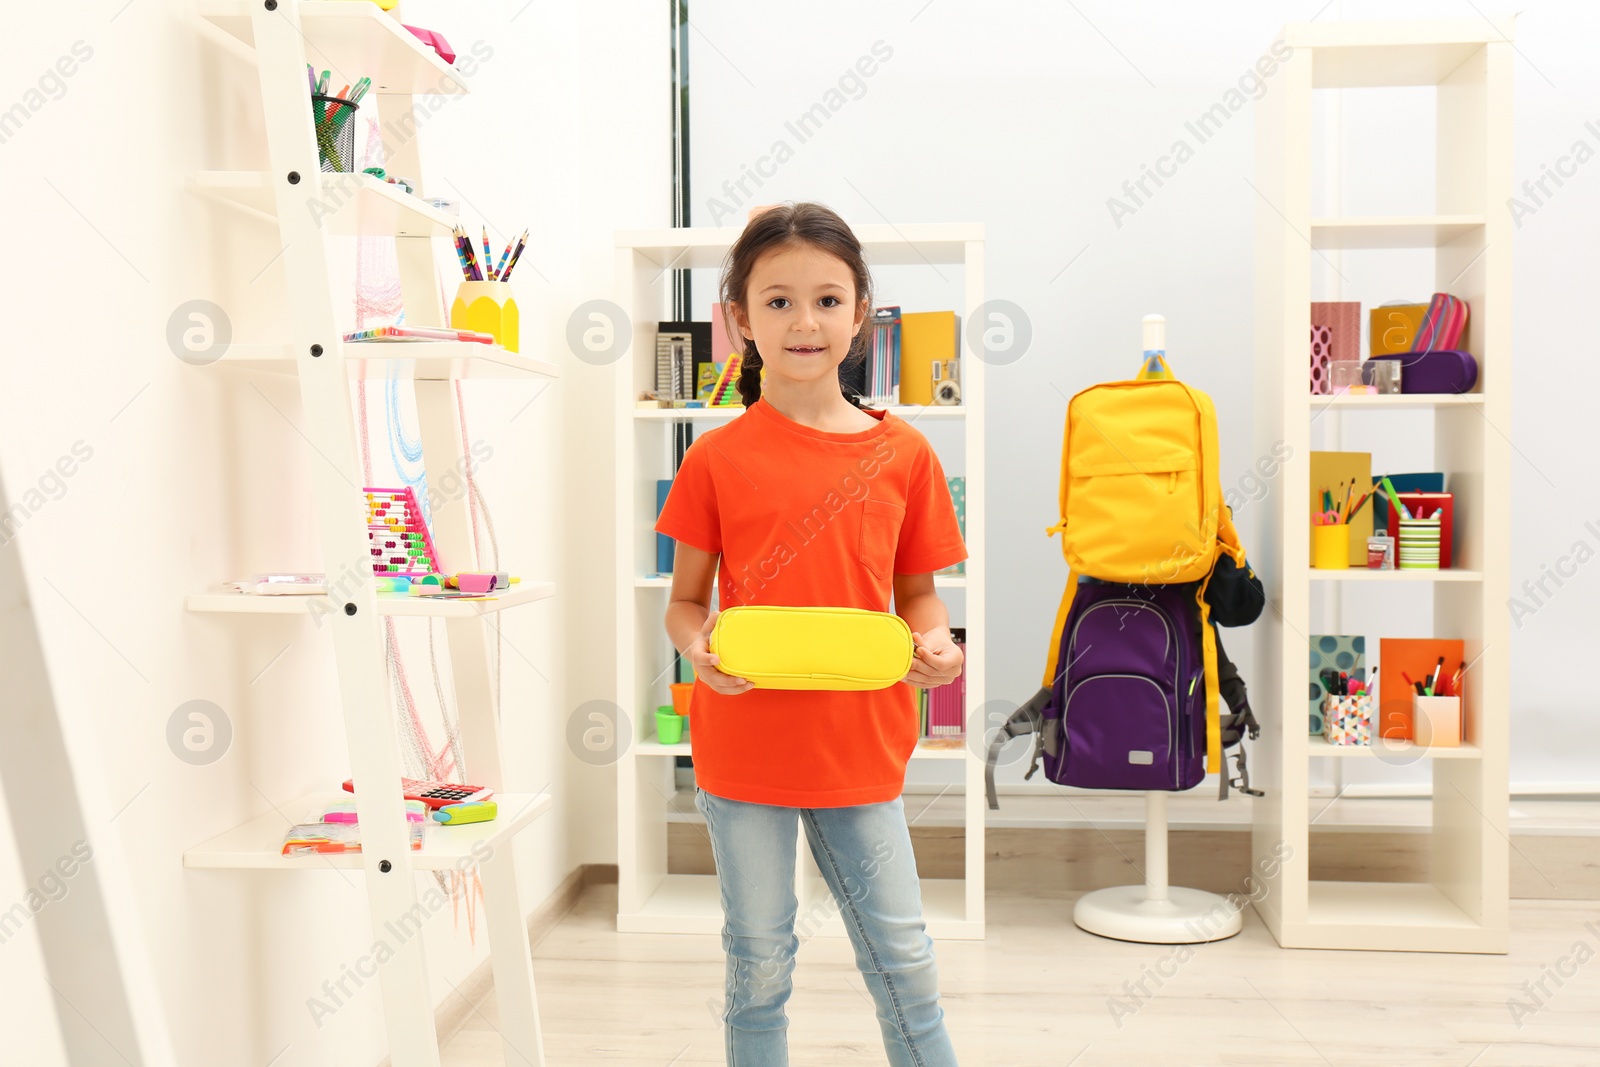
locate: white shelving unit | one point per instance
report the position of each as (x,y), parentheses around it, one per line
(1463,905)
(650,900)
(352,40)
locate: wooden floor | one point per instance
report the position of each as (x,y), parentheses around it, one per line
(1041,992)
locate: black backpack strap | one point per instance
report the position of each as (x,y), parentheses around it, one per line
(1028,719)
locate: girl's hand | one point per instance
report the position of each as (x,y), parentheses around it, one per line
(705,662)
(934,664)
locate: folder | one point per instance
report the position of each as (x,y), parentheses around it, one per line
(926,338)
(1416,657)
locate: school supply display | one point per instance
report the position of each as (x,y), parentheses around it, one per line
(398,535)
(418,333)
(1436,371)
(1335,659)
(460,814)
(1412,667)
(436,794)
(781,647)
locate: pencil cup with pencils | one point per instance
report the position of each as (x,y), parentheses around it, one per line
(484,302)
(336,132)
(1330,547)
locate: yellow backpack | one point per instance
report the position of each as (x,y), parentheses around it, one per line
(1141,502)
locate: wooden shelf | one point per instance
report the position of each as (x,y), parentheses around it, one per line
(1363,574)
(1393,231)
(352,41)
(1395,401)
(915,244)
(388,604)
(910,413)
(419,360)
(358,205)
(258,844)
(1395,750)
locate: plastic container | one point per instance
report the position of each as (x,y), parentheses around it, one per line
(681,691)
(669,726)
(1330,548)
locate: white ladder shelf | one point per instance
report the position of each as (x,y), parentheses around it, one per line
(360,39)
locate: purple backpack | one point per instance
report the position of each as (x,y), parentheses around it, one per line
(1127,710)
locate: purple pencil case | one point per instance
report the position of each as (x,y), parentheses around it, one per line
(1445,370)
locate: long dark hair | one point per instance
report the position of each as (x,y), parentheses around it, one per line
(777,227)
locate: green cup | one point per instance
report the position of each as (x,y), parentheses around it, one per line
(669,725)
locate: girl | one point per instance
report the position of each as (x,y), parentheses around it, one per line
(810,499)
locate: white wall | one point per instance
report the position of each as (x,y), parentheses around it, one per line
(197,475)
(1028,117)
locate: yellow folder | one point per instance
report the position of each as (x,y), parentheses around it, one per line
(926,337)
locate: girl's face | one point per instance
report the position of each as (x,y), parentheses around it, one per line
(801,311)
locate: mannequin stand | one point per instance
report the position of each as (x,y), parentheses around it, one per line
(1156,913)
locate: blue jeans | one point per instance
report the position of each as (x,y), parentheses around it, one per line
(864,854)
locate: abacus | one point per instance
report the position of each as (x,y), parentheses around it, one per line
(401,544)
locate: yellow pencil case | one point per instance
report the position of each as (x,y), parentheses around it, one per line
(812,648)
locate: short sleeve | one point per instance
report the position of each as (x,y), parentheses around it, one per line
(930,536)
(690,513)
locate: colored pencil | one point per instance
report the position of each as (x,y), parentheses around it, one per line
(500,269)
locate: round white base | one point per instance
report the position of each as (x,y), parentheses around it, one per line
(1186,917)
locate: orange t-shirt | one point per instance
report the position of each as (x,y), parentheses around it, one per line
(803,517)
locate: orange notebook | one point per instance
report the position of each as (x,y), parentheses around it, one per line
(1416,657)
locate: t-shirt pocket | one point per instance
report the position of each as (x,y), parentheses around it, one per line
(880,533)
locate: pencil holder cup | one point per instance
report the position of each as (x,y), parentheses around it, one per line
(669,726)
(1419,544)
(1330,547)
(1347,720)
(487,307)
(1436,721)
(335,121)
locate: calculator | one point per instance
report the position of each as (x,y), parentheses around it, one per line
(436,794)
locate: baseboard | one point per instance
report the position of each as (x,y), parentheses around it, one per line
(1544,866)
(449,1016)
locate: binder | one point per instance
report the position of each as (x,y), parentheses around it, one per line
(926,338)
